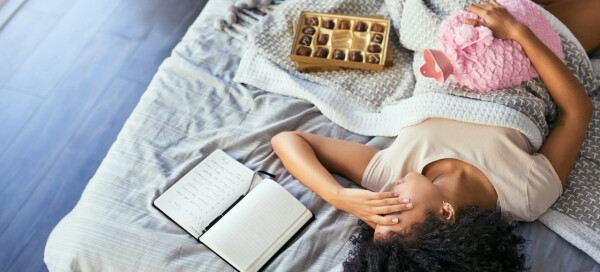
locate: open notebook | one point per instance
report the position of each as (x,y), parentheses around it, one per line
(246,229)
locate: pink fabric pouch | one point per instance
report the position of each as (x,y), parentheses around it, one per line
(472,57)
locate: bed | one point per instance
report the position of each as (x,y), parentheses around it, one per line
(194,105)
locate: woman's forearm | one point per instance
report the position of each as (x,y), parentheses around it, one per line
(299,158)
(310,158)
(563,86)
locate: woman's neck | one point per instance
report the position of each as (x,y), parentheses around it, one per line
(461,184)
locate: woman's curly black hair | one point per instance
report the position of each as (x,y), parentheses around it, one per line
(477,240)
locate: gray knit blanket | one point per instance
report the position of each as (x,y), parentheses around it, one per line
(381,103)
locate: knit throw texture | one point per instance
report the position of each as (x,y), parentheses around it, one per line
(380,103)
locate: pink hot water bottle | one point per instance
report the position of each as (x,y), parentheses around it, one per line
(472,57)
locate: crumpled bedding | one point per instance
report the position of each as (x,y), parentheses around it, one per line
(192,107)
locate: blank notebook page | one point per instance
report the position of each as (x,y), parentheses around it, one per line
(252,226)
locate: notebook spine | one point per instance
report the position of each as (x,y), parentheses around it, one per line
(212,223)
(236,202)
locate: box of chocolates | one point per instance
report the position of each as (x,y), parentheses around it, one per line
(310,67)
(324,41)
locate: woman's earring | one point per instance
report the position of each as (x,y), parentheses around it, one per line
(448,210)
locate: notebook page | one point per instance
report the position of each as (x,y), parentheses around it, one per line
(205,192)
(251,227)
(262,259)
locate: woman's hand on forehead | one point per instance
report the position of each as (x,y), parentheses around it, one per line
(371,207)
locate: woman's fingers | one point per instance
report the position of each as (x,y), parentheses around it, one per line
(382,220)
(393,208)
(389,198)
(472,22)
(390,201)
(493,2)
(383,195)
(483,8)
(496,17)
(379,204)
(480,7)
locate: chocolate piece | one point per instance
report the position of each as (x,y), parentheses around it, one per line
(303,51)
(356,56)
(323,38)
(322,53)
(312,21)
(339,55)
(374,48)
(373,59)
(378,38)
(306,40)
(308,30)
(377,28)
(329,24)
(344,25)
(361,27)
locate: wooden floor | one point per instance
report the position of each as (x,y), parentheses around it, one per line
(71,72)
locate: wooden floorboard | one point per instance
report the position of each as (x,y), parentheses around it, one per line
(77,70)
(61,187)
(160,41)
(21,35)
(62,46)
(130,13)
(59,117)
(8,8)
(54,7)
(15,111)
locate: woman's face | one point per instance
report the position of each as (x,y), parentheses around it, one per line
(423,195)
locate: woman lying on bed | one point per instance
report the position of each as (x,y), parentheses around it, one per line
(442,195)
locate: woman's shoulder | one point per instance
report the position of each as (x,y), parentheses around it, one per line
(543,185)
(466,132)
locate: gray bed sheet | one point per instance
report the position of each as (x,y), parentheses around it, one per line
(192,107)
